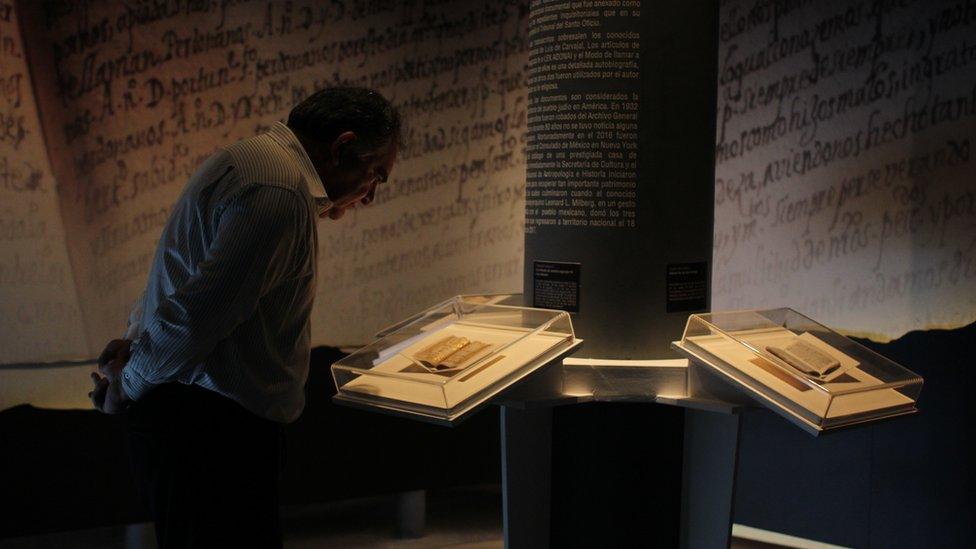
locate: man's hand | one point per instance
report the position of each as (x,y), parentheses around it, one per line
(108,396)
(117,349)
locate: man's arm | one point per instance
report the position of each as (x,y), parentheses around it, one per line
(134,326)
(258,237)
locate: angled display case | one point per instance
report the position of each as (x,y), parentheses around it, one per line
(810,374)
(445,362)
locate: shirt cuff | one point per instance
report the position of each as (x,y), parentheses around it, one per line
(133,383)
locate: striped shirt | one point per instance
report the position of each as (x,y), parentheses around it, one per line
(230,292)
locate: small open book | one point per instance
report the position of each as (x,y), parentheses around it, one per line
(806,357)
(452,353)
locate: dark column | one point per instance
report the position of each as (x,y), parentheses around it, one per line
(619,210)
(711,459)
(620,169)
(526,437)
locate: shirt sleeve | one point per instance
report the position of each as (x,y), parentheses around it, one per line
(258,237)
(134,325)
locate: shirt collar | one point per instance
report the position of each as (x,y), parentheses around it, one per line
(283,135)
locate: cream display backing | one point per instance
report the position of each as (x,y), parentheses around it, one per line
(854,391)
(393,377)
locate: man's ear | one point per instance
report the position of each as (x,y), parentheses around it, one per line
(341,146)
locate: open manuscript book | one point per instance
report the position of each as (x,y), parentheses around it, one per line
(799,368)
(452,358)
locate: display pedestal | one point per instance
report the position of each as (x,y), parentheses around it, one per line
(705,495)
(640,451)
(711,455)
(526,437)
(706,449)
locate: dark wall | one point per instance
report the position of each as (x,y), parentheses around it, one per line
(907,482)
(68,469)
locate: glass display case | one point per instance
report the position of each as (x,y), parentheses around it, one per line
(801,369)
(443,363)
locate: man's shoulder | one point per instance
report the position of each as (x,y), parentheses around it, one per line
(260,162)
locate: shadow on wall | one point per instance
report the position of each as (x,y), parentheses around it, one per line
(907,482)
(67,470)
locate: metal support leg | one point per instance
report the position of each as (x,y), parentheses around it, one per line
(711,454)
(526,437)
(411,514)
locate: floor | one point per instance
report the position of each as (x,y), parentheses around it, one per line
(457,518)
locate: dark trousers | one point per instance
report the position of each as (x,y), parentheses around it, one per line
(208,468)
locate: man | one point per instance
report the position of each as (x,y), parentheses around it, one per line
(216,355)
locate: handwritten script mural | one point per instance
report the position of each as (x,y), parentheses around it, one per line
(844,162)
(844,155)
(39,312)
(135,95)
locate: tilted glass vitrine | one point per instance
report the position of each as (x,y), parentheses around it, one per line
(447,361)
(800,368)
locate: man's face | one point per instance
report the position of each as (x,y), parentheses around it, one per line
(355,177)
